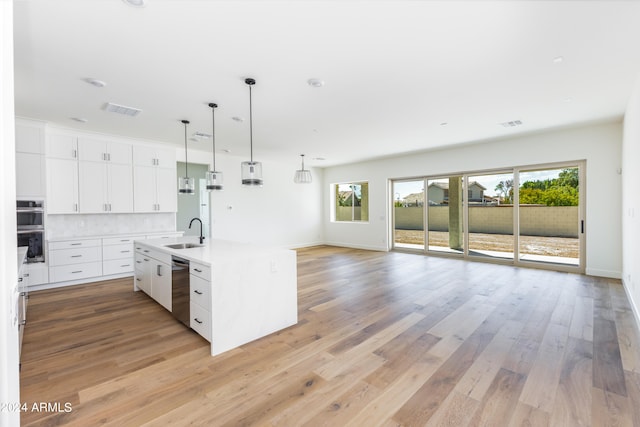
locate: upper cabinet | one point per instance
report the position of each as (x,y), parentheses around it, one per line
(105,176)
(30,176)
(154,180)
(62,174)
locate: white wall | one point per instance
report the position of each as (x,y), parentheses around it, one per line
(10,383)
(600,145)
(631,200)
(281,213)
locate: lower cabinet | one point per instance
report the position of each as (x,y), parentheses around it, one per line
(153,274)
(75,259)
(200,300)
(117,255)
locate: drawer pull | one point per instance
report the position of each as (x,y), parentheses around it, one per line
(197,320)
(75,272)
(138,279)
(76,256)
(124,252)
(75,244)
(146,250)
(198,270)
(146,259)
(126,265)
(198,292)
(125,240)
(139,262)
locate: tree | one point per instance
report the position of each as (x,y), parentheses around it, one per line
(506,188)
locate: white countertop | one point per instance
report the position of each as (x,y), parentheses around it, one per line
(210,249)
(108,236)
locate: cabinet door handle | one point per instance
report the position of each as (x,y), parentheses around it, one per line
(139,262)
(138,279)
(74,154)
(197,269)
(198,292)
(158,267)
(75,207)
(197,320)
(146,259)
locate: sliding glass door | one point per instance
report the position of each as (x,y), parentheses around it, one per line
(490,215)
(523,215)
(550,215)
(408,214)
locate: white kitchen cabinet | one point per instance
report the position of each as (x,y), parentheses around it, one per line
(62,174)
(105,187)
(30,163)
(62,186)
(94,150)
(153,274)
(61,147)
(155,185)
(200,299)
(161,283)
(75,259)
(118,255)
(154,156)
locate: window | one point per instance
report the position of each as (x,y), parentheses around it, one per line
(352,201)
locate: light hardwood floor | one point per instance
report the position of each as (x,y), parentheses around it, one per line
(383,339)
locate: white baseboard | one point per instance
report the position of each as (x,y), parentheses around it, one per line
(44,286)
(603,273)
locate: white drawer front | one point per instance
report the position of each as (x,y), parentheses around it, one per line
(151,253)
(70,244)
(117,251)
(120,240)
(200,292)
(201,321)
(75,256)
(117,266)
(63,273)
(200,270)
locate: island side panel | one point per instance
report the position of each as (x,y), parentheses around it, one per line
(252,296)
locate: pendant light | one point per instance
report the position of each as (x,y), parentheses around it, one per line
(251,171)
(214,177)
(302,176)
(186,185)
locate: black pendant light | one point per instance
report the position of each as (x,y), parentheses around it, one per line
(186,185)
(251,171)
(214,177)
(302,176)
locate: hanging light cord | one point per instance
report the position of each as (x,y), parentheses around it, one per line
(250,123)
(186,172)
(213,137)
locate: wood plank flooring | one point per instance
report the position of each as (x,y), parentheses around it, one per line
(383,339)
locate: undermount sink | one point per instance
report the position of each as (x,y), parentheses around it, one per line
(184,245)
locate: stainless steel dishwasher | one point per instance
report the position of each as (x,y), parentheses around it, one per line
(180,290)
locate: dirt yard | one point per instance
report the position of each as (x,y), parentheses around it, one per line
(534,245)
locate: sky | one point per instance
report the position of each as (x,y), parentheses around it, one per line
(402,189)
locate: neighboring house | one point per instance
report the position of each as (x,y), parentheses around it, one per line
(413,199)
(438,193)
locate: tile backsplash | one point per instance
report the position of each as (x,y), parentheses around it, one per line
(58,226)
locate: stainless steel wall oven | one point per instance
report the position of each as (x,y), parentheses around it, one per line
(30,225)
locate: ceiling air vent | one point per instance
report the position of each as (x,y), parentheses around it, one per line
(121,109)
(202,135)
(511,124)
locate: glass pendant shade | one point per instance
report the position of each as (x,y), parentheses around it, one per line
(186,185)
(302,176)
(215,181)
(252,174)
(215,178)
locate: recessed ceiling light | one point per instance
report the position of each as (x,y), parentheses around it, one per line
(558,59)
(315,82)
(135,3)
(79,119)
(95,82)
(237,119)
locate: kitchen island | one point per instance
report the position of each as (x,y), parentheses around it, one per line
(238,292)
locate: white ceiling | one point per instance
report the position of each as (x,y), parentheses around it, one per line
(394,71)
